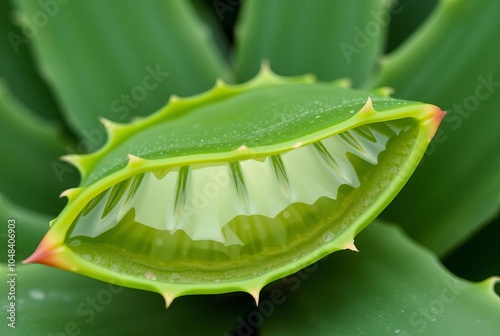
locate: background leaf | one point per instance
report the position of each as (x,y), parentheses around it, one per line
(478,257)
(391,287)
(452,61)
(331,39)
(123,60)
(17,70)
(32,175)
(50,301)
(407,16)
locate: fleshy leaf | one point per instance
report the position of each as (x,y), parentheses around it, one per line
(187,200)
(104,74)
(407,16)
(476,251)
(54,302)
(452,61)
(391,287)
(17,70)
(331,39)
(32,174)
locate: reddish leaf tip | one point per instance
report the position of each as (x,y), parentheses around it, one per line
(48,253)
(435,120)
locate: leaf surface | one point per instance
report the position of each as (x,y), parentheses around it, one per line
(392,287)
(17,70)
(32,175)
(331,39)
(29,227)
(452,61)
(123,60)
(50,301)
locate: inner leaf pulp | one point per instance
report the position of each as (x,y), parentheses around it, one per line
(209,220)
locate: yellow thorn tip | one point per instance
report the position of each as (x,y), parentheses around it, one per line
(242,148)
(255,294)
(106,122)
(351,246)
(169,298)
(367,108)
(133,159)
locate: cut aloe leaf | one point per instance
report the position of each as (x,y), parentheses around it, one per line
(237,187)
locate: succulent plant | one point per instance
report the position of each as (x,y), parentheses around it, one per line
(215,194)
(246,176)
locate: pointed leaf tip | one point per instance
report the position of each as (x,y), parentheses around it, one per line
(345,83)
(265,67)
(169,298)
(108,124)
(65,193)
(132,159)
(72,159)
(384,91)
(219,82)
(255,294)
(367,108)
(242,149)
(48,253)
(351,246)
(70,193)
(435,120)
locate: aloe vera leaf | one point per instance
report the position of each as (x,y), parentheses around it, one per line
(331,39)
(257,171)
(453,62)
(50,301)
(477,248)
(32,174)
(17,70)
(391,287)
(104,74)
(208,15)
(30,226)
(407,16)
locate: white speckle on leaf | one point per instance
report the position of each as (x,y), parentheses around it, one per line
(328,236)
(150,276)
(37,294)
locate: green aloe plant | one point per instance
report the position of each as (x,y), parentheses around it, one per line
(203,171)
